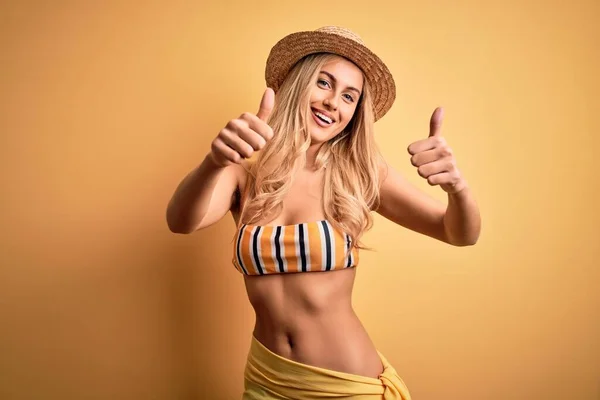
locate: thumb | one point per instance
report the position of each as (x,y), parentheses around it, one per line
(266,104)
(435,124)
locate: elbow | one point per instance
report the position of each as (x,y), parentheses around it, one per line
(175,228)
(175,225)
(179,230)
(468,236)
(464,241)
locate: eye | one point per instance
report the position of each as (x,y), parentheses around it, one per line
(350,98)
(323,82)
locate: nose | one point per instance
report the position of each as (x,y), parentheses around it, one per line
(331,101)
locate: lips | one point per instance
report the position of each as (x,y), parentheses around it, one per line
(320,121)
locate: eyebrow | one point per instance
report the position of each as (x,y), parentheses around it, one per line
(335,81)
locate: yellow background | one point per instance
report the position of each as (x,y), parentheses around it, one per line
(105,106)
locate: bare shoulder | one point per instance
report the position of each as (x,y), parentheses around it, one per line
(383,170)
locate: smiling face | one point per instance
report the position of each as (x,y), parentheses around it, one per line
(334,98)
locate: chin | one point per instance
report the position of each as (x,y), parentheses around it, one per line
(319,135)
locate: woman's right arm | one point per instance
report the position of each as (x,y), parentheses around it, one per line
(206,194)
(203,197)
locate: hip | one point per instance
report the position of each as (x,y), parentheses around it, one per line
(270,376)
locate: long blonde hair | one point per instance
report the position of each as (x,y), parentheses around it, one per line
(351,158)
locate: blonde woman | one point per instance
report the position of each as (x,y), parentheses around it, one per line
(304,202)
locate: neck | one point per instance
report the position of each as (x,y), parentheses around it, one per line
(311,156)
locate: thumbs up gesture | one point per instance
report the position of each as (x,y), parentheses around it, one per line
(434,159)
(242,136)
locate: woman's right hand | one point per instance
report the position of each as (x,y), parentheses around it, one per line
(242,136)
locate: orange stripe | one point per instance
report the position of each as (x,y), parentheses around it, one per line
(266,249)
(235,247)
(245,251)
(340,249)
(316,254)
(289,246)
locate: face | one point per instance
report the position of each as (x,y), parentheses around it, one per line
(334,98)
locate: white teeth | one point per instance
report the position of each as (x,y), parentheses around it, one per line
(323,117)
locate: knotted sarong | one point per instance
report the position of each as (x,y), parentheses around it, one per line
(271,376)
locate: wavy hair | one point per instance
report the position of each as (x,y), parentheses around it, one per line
(351,158)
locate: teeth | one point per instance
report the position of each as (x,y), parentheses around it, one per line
(323,117)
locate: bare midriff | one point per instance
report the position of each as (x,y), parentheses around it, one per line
(308,317)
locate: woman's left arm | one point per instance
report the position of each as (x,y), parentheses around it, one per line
(462,221)
(458,223)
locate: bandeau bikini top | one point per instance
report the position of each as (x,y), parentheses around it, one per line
(305,247)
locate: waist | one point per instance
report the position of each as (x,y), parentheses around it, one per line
(336,341)
(309,318)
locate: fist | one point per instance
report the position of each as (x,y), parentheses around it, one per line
(434,158)
(242,136)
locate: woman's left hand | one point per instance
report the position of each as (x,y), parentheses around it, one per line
(434,158)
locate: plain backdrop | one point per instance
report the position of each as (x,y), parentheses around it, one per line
(106,105)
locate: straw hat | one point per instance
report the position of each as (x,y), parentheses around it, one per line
(341,41)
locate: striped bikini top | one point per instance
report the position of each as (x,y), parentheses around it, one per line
(305,247)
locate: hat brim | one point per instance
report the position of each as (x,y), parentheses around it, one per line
(292,48)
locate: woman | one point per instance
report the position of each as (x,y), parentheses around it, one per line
(302,206)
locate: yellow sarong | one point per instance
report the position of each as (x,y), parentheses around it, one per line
(270,376)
